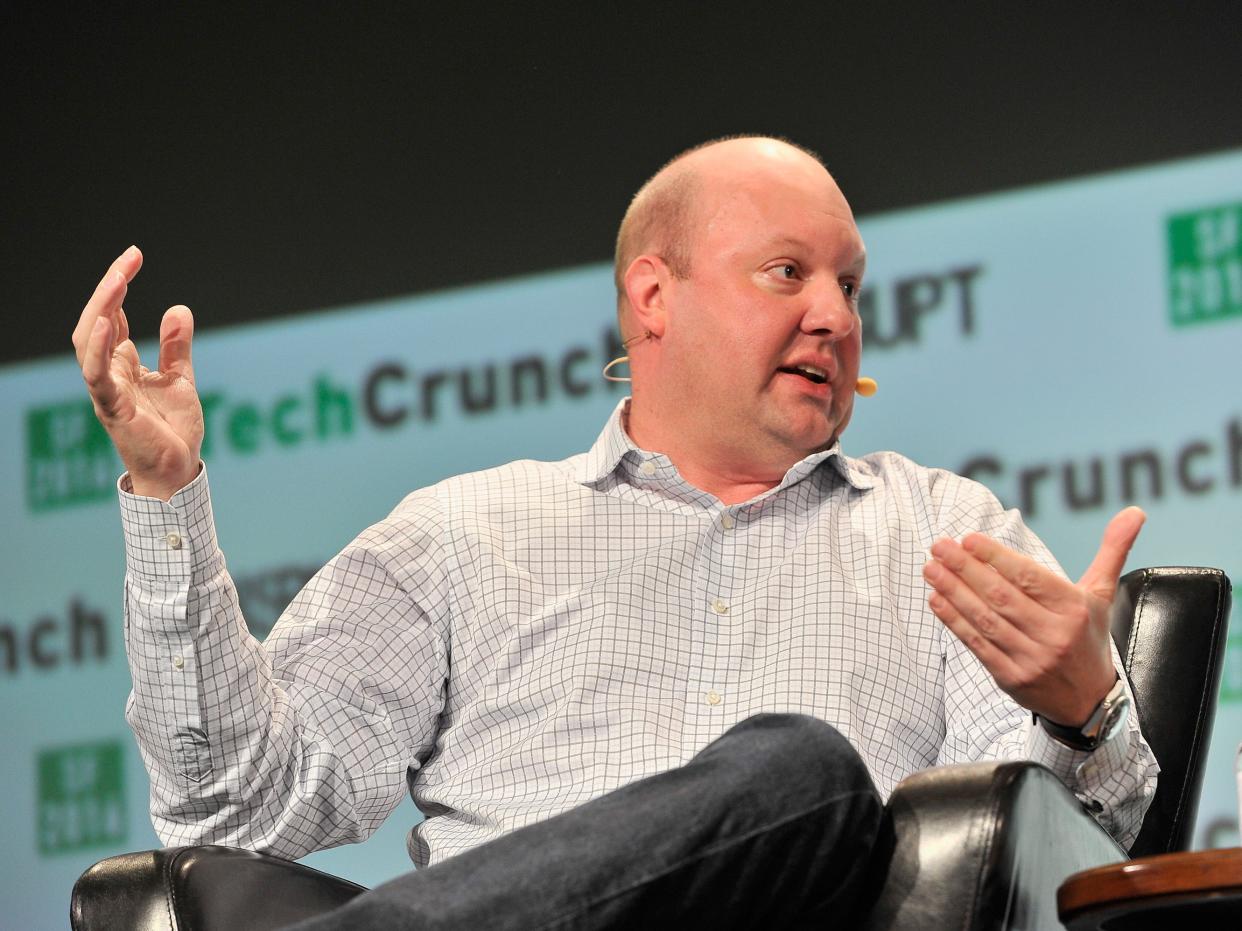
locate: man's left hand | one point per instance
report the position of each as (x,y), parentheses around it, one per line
(1044,639)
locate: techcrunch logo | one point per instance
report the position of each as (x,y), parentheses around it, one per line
(70,460)
(391,394)
(1200,466)
(1205,265)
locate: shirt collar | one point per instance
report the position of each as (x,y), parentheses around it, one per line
(614,443)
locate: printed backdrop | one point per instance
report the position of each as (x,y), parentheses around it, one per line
(1073,346)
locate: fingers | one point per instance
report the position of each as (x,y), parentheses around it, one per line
(122,325)
(1101,576)
(1017,599)
(97,367)
(994,617)
(1043,639)
(995,660)
(1036,582)
(108,295)
(106,301)
(176,335)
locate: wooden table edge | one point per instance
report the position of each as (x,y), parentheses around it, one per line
(1149,878)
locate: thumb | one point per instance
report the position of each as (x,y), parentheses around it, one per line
(176,334)
(1101,576)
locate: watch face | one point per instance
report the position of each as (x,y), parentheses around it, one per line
(1115,719)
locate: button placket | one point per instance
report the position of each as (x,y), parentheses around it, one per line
(716,583)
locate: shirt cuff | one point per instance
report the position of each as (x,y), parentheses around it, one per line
(169,538)
(1090,772)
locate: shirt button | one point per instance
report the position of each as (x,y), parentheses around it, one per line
(178,661)
(713,697)
(648,468)
(726,521)
(174,540)
(720,607)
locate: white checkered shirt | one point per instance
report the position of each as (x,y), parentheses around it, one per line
(517,641)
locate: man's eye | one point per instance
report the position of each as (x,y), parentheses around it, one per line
(851,289)
(786,271)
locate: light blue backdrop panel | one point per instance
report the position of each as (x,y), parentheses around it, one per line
(1074,346)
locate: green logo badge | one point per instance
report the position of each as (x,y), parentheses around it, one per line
(81,797)
(1205,265)
(69,458)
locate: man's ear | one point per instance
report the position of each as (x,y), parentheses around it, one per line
(646,286)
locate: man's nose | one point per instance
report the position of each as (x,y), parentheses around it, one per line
(830,312)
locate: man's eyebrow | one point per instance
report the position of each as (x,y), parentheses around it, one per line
(856,266)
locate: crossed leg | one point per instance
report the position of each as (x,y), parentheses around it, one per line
(771,825)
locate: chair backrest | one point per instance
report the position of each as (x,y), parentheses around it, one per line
(1169,625)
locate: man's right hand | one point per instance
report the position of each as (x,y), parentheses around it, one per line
(154,418)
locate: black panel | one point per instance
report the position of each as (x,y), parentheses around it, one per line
(270,162)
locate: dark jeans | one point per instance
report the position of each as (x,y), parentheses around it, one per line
(770,826)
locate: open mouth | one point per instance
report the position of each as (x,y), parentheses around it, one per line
(809,372)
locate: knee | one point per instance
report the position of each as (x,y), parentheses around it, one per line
(793,750)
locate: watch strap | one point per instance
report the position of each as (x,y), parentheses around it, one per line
(1099,724)
(1071,737)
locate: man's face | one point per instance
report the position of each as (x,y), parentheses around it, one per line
(764,333)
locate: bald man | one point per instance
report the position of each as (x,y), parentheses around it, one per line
(669,680)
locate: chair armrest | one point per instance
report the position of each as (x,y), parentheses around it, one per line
(204,888)
(981,845)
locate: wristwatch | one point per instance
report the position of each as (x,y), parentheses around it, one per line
(1106,720)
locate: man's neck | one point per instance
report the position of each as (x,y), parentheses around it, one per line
(718,471)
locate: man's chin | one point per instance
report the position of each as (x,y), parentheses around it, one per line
(807,439)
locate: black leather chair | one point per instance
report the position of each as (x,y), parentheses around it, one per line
(986,845)
(975,846)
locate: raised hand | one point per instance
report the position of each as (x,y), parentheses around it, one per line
(1044,639)
(154,417)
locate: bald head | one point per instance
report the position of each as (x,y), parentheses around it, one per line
(665,213)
